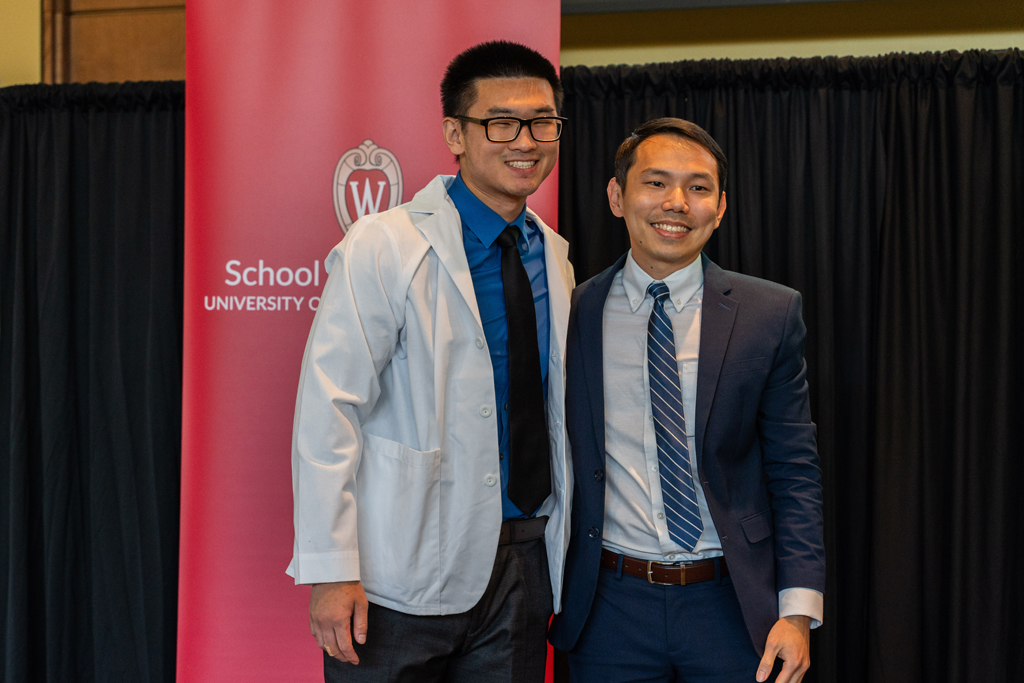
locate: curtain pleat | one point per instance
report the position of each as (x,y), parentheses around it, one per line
(890,192)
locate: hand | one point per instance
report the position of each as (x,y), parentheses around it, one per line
(336,611)
(790,639)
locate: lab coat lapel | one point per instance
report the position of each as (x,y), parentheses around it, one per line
(560,282)
(442,227)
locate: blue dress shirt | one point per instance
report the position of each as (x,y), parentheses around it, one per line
(481,226)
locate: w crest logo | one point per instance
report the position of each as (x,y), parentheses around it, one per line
(367,180)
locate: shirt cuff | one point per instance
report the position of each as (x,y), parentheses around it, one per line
(802,602)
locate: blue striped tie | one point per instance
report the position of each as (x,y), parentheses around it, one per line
(681,511)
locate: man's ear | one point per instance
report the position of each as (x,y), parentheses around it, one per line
(452,130)
(721,209)
(615,197)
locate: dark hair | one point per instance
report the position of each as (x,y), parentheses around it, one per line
(625,157)
(494,59)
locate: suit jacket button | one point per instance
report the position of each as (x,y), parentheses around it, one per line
(594,532)
(599,475)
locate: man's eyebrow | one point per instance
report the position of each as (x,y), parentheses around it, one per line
(654,171)
(660,173)
(498,111)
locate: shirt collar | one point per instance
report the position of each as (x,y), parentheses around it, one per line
(683,285)
(482,220)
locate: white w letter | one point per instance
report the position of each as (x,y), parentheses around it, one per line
(363,207)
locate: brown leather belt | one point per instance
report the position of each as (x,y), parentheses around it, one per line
(520,530)
(664,573)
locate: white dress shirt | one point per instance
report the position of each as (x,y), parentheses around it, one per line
(634,511)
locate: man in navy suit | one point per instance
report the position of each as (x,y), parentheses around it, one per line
(696,551)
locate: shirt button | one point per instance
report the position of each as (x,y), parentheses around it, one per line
(654,468)
(671,557)
(599,475)
(594,532)
(661,515)
(485,411)
(651,418)
(636,301)
(490,480)
(679,302)
(479,343)
(501,456)
(506,406)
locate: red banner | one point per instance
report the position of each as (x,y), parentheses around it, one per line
(301,117)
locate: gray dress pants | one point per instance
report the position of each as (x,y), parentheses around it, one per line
(500,640)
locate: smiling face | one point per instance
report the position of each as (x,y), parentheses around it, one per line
(504,174)
(671,203)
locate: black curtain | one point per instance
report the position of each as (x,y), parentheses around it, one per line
(890,191)
(91,238)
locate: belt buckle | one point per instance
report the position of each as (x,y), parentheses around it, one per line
(682,573)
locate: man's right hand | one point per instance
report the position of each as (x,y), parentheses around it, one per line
(336,612)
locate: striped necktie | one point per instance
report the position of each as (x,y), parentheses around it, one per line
(681,512)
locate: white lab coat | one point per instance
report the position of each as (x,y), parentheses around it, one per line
(395,445)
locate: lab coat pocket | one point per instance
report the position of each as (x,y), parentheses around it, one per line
(399,509)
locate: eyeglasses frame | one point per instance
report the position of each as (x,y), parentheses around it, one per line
(521,122)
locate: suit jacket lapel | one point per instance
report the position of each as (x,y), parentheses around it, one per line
(591,337)
(718,313)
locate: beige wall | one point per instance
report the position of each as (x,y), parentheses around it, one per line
(863,28)
(863,47)
(20,42)
(101,30)
(126,40)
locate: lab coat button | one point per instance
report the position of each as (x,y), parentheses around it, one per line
(485,411)
(479,343)
(490,480)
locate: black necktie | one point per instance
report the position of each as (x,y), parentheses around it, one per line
(529,473)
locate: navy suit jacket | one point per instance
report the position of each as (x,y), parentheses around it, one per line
(755,443)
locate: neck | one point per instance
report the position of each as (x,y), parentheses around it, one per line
(660,270)
(507,206)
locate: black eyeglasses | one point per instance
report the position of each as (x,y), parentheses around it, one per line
(506,128)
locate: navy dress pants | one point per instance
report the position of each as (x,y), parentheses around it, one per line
(643,632)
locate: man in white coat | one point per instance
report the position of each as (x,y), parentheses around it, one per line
(429,456)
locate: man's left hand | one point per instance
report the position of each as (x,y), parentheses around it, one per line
(790,640)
